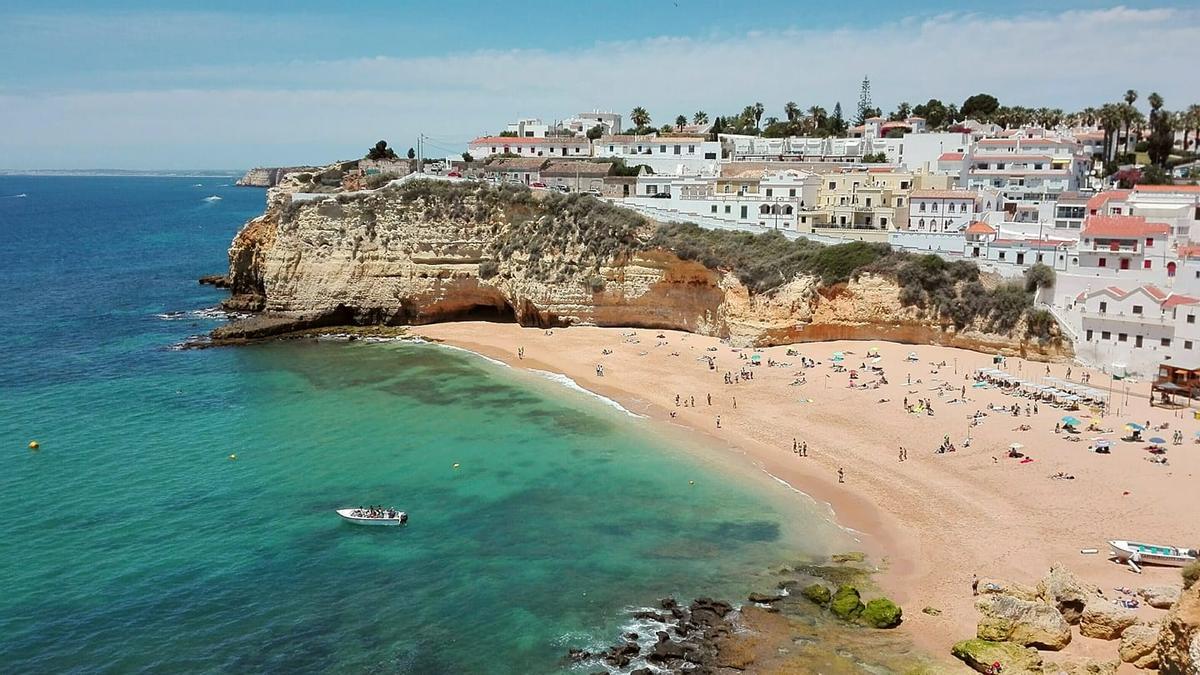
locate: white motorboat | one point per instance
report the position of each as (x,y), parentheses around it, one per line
(382,517)
(1152,554)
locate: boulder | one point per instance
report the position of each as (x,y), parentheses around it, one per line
(1138,645)
(1160,597)
(882,613)
(1179,642)
(666,650)
(1002,587)
(1104,620)
(818,593)
(1030,624)
(846,603)
(1066,592)
(1012,657)
(763,598)
(852,556)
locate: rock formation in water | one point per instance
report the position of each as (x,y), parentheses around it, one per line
(422,252)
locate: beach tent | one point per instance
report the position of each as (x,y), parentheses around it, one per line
(1070,421)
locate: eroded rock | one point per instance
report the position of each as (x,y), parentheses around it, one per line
(1031,624)
(1105,621)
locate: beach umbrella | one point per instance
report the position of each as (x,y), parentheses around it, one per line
(755,358)
(1015,446)
(1198,433)
(1134,426)
(1070,421)
(873,351)
(1158,440)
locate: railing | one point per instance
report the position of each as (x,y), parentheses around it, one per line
(1128,317)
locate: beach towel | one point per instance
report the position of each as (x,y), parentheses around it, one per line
(1026,460)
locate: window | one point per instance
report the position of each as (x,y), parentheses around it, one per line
(744,211)
(1103,262)
(1002,255)
(1105,335)
(934,206)
(1089,335)
(832,185)
(921,222)
(900,202)
(922,207)
(714,208)
(710,155)
(792,192)
(883,222)
(903,185)
(1137,341)
(951,207)
(726,208)
(1145,264)
(662,149)
(691,149)
(677,148)
(770,191)
(1103,307)
(1137,309)
(1187,344)
(1122,337)
(1191,318)
(1149,242)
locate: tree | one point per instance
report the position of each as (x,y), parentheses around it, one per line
(864,102)
(837,123)
(1162,135)
(595,132)
(412,154)
(1156,104)
(791,111)
(467,157)
(979,106)
(758,113)
(1130,96)
(680,122)
(934,112)
(639,117)
(903,112)
(700,117)
(818,116)
(381,151)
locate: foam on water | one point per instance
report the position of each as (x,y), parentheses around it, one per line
(212,198)
(489,359)
(572,384)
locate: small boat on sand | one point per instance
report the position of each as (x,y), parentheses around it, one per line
(373,516)
(1152,554)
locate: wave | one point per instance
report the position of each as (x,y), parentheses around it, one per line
(198,185)
(572,384)
(212,198)
(208,313)
(497,362)
(20,196)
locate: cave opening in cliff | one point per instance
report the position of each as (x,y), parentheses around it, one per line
(497,313)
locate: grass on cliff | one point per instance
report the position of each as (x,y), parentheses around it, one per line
(949,291)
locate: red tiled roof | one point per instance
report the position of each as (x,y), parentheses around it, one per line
(1011,157)
(1098,202)
(1155,292)
(1026,141)
(1121,227)
(1189,251)
(979,227)
(1167,188)
(950,157)
(517,140)
(1119,293)
(1175,300)
(1030,243)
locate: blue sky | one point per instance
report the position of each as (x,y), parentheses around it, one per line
(232,84)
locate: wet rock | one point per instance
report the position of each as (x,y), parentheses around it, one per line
(668,603)
(763,598)
(648,615)
(882,613)
(641,671)
(846,603)
(1012,657)
(1139,643)
(1030,624)
(1066,592)
(631,636)
(216,280)
(817,593)
(579,655)
(1103,620)
(852,556)
(1160,597)
(666,650)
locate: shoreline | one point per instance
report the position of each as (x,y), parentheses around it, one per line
(922,526)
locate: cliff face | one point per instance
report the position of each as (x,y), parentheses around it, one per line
(414,256)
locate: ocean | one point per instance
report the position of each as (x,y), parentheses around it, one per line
(179,513)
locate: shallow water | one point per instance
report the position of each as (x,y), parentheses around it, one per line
(132,542)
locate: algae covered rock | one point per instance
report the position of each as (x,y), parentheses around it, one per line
(852,556)
(818,593)
(1012,657)
(882,613)
(846,603)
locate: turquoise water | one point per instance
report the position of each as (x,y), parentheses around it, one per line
(133,543)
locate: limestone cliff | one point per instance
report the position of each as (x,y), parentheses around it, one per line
(1179,642)
(423,252)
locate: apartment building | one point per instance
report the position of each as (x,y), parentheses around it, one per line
(1136,329)
(942,210)
(583,122)
(663,154)
(858,200)
(552,146)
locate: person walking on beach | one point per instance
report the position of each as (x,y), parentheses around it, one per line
(693,402)
(841,475)
(710,399)
(718,421)
(804,449)
(676,400)
(974,584)
(735,401)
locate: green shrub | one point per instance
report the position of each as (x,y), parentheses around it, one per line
(1038,276)
(488,269)
(596,283)
(1191,574)
(376,180)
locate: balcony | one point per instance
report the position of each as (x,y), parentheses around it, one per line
(1144,319)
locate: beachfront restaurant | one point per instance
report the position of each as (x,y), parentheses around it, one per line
(1173,380)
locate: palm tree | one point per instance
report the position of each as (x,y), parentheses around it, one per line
(758,113)
(791,111)
(1110,120)
(818,115)
(1090,116)
(680,122)
(700,117)
(1191,122)
(1137,121)
(1156,104)
(1130,96)
(639,117)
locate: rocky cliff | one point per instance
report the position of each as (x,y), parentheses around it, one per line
(424,252)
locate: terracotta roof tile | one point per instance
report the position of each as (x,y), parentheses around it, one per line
(980,227)
(1122,227)
(950,157)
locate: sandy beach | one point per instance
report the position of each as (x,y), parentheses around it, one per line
(932,520)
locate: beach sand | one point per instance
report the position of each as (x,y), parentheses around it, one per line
(931,521)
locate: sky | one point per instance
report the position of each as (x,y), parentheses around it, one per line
(188,85)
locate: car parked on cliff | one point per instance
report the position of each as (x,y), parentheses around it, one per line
(538,185)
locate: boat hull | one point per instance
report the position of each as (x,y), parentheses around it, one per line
(1150,554)
(347,515)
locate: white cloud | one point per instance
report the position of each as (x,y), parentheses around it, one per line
(320,110)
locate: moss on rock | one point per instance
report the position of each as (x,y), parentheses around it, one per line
(818,593)
(882,613)
(846,603)
(1012,657)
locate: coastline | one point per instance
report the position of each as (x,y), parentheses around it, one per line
(930,525)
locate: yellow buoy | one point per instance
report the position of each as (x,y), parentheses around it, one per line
(34,445)
(233,458)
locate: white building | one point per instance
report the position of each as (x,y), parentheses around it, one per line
(663,154)
(552,146)
(918,151)
(942,210)
(529,127)
(1136,329)
(583,122)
